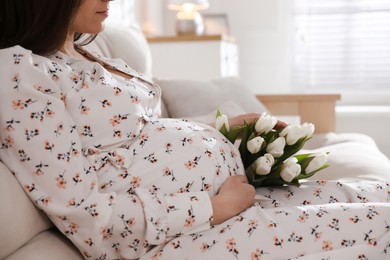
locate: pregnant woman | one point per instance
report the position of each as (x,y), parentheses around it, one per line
(82,135)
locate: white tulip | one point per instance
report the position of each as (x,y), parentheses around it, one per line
(285,131)
(308,129)
(290,169)
(319,160)
(265,123)
(254,145)
(264,164)
(296,132)
(291,133)
(221,121)
(276,148)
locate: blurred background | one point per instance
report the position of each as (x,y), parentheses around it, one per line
(298,46)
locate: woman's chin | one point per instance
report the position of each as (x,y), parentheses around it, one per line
(96,29)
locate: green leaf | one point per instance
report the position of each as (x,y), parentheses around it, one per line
(224,130)
(270,136)
(234,133)
(305,176)
(305,162)
(245,154)
(301,157)
(218,113)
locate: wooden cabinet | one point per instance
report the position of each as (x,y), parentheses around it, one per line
(194,57)
(318,109)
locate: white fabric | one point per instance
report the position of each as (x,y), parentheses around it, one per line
(312,221)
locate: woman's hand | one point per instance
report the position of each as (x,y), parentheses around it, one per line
(234,196)
(251,118)
(239,120)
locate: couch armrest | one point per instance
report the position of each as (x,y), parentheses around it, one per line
(318,109)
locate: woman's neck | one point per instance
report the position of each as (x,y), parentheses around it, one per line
(69,49)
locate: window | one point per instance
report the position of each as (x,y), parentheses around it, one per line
(342,44)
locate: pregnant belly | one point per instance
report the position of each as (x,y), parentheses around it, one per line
(173,156)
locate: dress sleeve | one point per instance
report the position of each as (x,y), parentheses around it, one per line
(39,143)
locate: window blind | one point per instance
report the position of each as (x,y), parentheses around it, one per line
(342,44)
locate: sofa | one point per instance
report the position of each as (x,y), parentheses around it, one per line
(26,233)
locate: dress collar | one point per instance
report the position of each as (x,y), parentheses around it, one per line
(105,62)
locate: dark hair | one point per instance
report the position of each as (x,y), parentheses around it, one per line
(38,25)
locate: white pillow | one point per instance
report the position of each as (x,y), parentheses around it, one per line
(196,98)
(351,156)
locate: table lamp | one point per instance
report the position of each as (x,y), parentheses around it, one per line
(188,19)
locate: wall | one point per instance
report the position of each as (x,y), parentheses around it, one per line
(123,12)
(262,30)
(369,120)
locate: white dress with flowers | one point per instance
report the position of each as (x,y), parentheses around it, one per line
(90,151)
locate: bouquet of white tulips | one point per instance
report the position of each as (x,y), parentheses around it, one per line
(269,156)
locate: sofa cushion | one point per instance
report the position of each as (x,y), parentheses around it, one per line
(20,219)
(50,244)
(196,98)
(164,110)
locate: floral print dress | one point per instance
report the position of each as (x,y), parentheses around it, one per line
(90,150)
